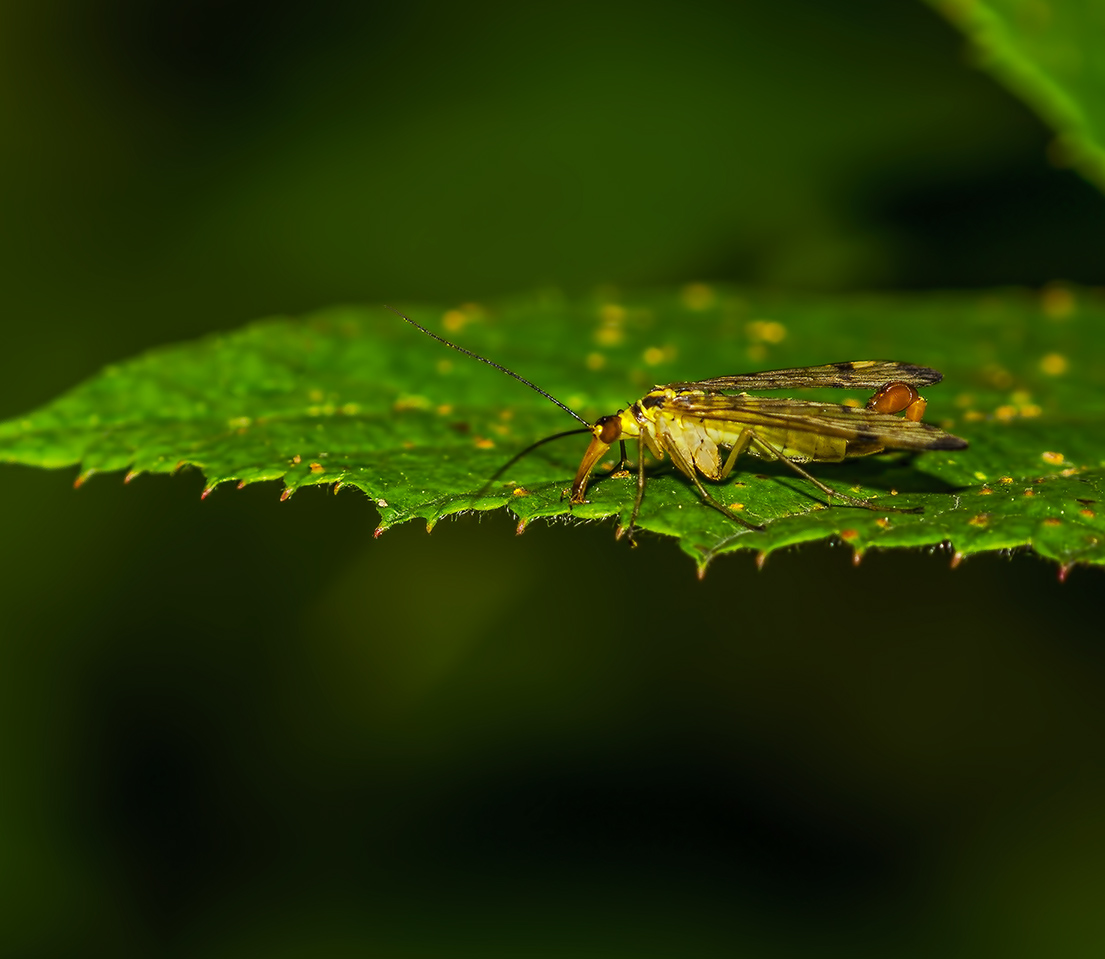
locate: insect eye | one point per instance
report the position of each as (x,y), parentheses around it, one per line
(610,428)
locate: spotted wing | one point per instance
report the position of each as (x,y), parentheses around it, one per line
(827,419)
(851,374)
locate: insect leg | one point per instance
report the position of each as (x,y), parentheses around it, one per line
(828,490)
(739,447)
(721,507)
(640,485)
(622,469)
(680,457)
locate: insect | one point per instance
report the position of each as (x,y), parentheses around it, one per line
(692,422)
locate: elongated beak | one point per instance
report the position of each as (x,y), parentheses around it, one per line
(595,452)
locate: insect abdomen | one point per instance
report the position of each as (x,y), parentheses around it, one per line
(799,445)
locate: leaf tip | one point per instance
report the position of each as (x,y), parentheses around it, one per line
(957,558)
(131,474)
(286,494)
(761,559)
(1064,569)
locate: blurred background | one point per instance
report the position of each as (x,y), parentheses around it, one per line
(243,727)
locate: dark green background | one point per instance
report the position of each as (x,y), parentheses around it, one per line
(242,727)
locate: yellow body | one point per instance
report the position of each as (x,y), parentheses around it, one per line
(693,425)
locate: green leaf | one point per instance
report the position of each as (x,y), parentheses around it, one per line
(1052,56)
(355,397)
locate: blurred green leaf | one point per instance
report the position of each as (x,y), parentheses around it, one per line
(355,397)
(1051,55)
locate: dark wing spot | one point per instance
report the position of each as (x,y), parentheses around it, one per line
(920,375)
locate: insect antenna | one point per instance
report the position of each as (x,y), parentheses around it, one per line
(501,369)
(529,449)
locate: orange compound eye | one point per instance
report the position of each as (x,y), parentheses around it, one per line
(610,429)
(895,397)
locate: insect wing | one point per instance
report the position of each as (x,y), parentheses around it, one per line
(851,374)
(826,419)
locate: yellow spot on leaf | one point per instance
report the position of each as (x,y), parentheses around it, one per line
(454,321)
(484,444)
(981,520)
(698,296)
(1054,364)
(444,409)
(609,336)
(1006,480)
(1087,512)
(519,491)
(980,476)
(1052,522)
(1052,458)
(405,403)
(612,314)
(653,356)
(595,361)
(444,366)
(317,468)
(766,331)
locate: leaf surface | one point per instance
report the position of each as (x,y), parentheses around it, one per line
(355,397)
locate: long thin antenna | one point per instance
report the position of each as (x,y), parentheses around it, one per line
(501,369)
(529,449)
